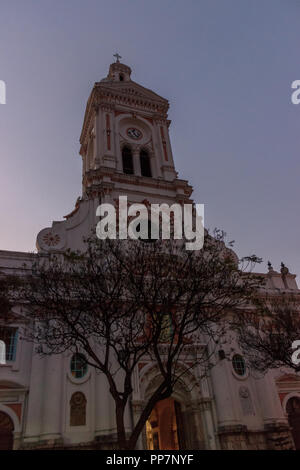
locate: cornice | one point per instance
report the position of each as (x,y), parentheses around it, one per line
(136,101)
(137,181)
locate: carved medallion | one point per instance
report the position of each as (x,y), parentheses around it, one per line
(51,239)
(134,133)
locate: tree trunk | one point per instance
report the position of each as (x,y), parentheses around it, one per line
(159,394)
(122,442)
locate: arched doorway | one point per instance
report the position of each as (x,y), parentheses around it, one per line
(6,432)
(293,412)
(164,427)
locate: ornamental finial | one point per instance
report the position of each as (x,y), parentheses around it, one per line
(117,56)
(270,267)
(284,270)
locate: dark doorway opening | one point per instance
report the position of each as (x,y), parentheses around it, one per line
(293,411)
(165,426)
(6,432)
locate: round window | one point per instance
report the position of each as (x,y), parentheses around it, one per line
(239,365)
(78,366)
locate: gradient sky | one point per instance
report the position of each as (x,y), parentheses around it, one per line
(226,67)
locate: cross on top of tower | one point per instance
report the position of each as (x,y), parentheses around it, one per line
(117,56)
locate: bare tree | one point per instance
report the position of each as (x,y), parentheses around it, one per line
(8,285)
(121,302)
(266,332)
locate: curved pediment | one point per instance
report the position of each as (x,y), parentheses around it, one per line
(287,378)
(7,384)
(131,89)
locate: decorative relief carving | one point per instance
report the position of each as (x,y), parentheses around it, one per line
(134,133)
(246,401)
(108,107)
(50,239)
(78,409)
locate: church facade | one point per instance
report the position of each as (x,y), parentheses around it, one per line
(59,402)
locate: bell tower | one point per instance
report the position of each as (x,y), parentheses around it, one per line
(125,150)
(125,141)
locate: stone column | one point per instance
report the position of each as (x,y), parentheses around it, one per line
(52,398)
(137,408)
(98,142)
(269,400)
(193,426)
(157,150)
(224,395)
(278,434)
(35,397)
(206,415)
(206,405)
(136,162)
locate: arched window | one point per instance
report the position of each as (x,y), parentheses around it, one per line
(78,409)
(239,365)
(145,163)
(2,352)
(127,161)
(78,366)
(8,336)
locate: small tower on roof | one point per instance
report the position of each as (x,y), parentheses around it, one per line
(119,72)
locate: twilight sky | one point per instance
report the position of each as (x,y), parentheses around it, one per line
(226,67)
